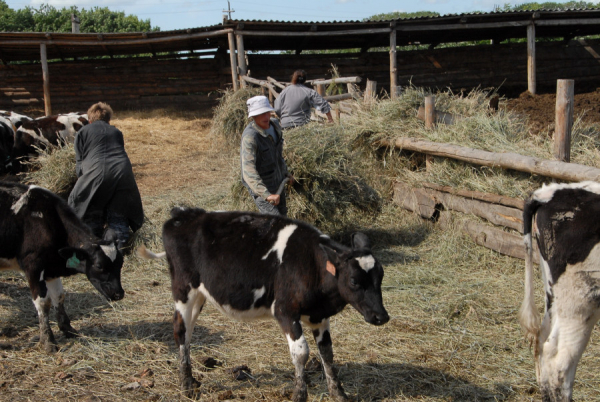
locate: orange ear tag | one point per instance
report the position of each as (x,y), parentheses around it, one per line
(330,268)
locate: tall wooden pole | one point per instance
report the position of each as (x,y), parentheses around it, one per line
(241,56)
(46,79)
(531,79)
(393,62)
(565,95)
(232,58)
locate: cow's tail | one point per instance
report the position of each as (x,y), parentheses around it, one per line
(529,318)
(143,252)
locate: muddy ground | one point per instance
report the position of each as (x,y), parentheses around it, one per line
(541,109)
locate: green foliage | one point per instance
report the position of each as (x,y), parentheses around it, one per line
(48,18)
(550,5)
(399,15)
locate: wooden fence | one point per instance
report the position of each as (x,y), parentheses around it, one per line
(185,82)
(431,200)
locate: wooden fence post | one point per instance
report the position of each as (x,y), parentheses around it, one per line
(531,79)
(241,56)
(321,89)
(370,91)
(393,62)
(232,59)
(429,111)
(565,94)
(46,79)
(74,23)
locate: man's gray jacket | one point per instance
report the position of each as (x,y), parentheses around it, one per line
(263,167)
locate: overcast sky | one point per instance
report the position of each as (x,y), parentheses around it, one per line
(181,14)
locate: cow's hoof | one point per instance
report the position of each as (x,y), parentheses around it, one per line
(338,394)
(49,347)
(70,333)
(300,395)
(190,387)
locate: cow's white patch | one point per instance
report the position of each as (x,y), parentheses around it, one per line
(9,265)
(240,315)
(68,133)
(282,239)
(37,214)
(110,251)
(527,241)
(258,293)
(189,311)
(546,193)
(55,290)
(366,262)
(298,348)
(42,276)
(35,135)
(22,201)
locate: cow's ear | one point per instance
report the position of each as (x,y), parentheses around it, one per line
(331,260)
(360,241)
(75,258)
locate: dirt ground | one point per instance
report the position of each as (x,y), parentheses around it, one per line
(541,109)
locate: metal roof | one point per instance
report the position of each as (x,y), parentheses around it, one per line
(298,36)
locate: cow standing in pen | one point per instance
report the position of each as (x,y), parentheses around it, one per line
(44,132)
(254,266)
(567,229)
(41,235)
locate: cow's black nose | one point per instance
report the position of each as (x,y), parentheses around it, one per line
(118,295)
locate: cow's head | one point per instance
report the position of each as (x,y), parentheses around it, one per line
(359,277)
(101,263)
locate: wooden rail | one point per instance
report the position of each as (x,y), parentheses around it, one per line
(507,160)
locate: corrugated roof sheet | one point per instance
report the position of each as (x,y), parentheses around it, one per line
(302,35)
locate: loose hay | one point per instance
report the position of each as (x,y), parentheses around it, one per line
(53,168)
(453,335)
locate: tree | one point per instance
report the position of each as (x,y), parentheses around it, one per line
(398,15)
(48,18)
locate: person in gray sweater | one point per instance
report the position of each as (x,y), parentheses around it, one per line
(261,153)
(105,196)
(295,102)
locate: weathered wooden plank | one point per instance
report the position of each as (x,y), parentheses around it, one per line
(497,214)
(508,160)
(490,237)
(476,195)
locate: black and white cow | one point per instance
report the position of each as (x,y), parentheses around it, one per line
(567,229)
(15,118)
(7,139)
(44,132)
(41,235)
(254,266)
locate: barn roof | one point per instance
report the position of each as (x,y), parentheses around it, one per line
(298,36)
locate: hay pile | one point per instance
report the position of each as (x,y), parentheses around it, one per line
(333,189)
(52,168)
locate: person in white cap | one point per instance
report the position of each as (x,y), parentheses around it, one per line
(263,167)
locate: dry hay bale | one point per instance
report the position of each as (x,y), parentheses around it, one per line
(231,114)
(53,168)
(330,188)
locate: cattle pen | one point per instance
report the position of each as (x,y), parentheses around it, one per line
(515,51)
(453,333)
